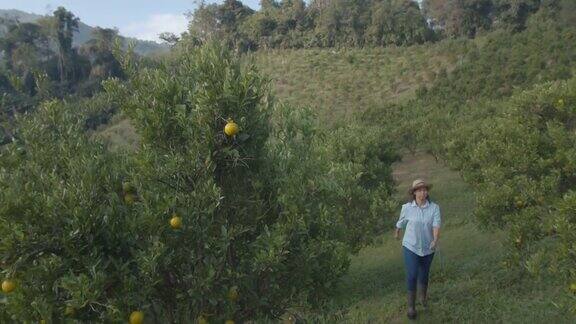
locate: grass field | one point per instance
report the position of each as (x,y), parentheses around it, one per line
(119,134)
(469,282)
(338,83)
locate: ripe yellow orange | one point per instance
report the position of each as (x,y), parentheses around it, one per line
(233,294)
(176,222)
(231,128)
(573,287)
(137,317)
(8,286)
(229,322)
(202,320)
(518,240)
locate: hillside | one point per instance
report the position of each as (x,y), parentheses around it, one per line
(84,33)
(339,83)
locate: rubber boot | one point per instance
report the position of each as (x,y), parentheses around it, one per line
(422,292)
(411,304)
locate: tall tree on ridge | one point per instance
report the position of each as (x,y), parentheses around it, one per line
(459,17)
(65,24)
(99,51)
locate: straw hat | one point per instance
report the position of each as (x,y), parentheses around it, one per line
(417,184)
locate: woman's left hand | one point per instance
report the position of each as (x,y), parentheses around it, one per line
(433,245)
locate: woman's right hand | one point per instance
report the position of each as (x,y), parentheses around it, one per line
(397,233)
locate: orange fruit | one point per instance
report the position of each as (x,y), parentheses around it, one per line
(176,222)
(202,320)
(573,287)
(231,128)
(137,317)
(229,322)
(8,286)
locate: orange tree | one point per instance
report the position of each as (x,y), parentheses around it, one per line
(202,221)
(522,161)
(64,229)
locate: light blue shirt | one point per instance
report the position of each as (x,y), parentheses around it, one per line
(419,222)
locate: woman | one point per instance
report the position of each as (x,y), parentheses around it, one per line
(421,218)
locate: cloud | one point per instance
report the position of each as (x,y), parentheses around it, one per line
(155,25)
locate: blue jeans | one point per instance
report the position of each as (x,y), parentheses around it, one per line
(417,268)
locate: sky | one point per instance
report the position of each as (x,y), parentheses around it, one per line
(143,19)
